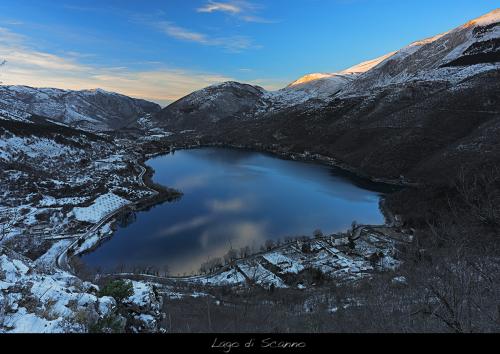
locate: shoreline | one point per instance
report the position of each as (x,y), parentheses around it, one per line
(63,260)
(293,156)
(160,195)
(286,245)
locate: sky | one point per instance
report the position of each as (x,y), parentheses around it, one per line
(161,50)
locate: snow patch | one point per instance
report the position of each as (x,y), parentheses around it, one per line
(102,206)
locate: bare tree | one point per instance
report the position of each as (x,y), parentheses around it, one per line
(166,270)
(318,233)
(462,293)
(230,256)
(211,265)
(245,252)
(352,234)
(480,195)
(268,245)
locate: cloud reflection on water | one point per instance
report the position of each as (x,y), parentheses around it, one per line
(217,240)
(185,226)
(192,182)
(230,205)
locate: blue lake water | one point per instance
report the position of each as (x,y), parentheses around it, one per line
(235,198)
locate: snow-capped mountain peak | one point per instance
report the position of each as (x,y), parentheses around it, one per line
(485,20)
(311,77)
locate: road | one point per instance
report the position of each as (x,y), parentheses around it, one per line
(62,259)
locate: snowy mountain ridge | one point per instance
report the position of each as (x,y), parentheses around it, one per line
(453,56)
(92,110)
(449,58)
(459,39)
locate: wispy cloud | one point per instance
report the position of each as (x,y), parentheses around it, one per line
(243,10)
(230,43)
(10,22)
(229,7)
(9,37)
(184,34)
(28,66)
(83,8)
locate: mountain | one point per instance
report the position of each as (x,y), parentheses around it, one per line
(450,57)
(329,83)
(421,111)
(213,104)
(93,110)
(233,100)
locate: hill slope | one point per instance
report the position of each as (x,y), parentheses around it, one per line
(88,109)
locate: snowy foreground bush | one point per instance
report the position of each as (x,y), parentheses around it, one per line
(36,300)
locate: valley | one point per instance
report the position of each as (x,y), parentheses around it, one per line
(66,227)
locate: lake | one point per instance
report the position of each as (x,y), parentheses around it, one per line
(234,198)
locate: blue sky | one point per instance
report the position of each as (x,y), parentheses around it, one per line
(162,50)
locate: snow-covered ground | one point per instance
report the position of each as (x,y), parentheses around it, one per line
(33,147)
(49,201)
(259,275)
(35,302)
(281,261)
(51,194)
(229,277)
(101,207)
(330,255)
(37,298)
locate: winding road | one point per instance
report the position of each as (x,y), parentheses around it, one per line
(62,260)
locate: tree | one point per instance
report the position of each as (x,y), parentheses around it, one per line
(230,256)
(211,265)
(118,289)
(306,247)
(269,245)
(245,252)
(204,268)
(352,244)
(318,233)
(216,263)
(354,226)
(166,270)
